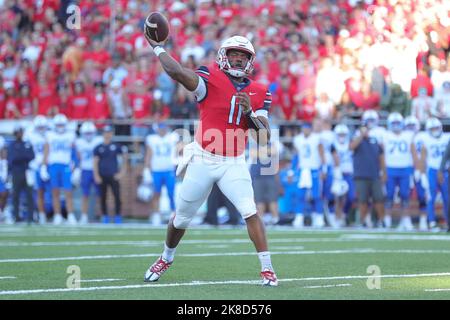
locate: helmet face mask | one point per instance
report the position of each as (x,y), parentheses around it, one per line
(436,132)
(434,127)
(40,124)
(236,43)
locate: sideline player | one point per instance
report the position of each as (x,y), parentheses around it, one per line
(85,146)
(159,168)
(398,157)
(343,171)
(311,169)
(230,104)
(37,137)
(434,145)
(58,157)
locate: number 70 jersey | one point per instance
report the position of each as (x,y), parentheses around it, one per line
(397,149)
(223,126)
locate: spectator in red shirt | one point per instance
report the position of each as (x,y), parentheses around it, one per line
(11,101)
(285,99)
(2,98)
(62,98)
(99,108)
(361,95)
(25,101)
(78,103)
(140,103)
(307,110)
(44,97)
(421,81)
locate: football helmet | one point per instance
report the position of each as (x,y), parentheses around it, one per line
(241,44)
(370,118)
(412,123)
(434,127)
(339,187)
(88,130)
(342,133)
(395,122)
(60,122)
(40,123)
(144,192)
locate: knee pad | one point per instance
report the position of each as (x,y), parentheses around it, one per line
(182,220)
(247,208)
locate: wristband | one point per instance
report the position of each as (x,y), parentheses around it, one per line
(158,50)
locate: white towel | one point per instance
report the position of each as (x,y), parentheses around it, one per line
(305,180)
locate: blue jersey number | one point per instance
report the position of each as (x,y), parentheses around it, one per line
(399,146)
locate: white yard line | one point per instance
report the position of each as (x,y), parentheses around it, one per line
(329,286)
(438,290)
(7,277)
(205,283)
(160,242)
(389,237)
(223,254)
(100,280)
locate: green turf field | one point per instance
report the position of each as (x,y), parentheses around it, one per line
(221,264)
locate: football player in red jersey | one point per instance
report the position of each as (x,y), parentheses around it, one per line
(230,104)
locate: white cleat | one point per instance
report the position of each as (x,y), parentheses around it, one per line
(317,220)
(423,226)
(298,221)
(84,219)
(42,218)
(387,221)
(368,221)
(71,219)
(58,219)
(408,225)
(156,270)
(155,219)
(269,278)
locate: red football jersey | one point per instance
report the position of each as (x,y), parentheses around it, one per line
(223,126)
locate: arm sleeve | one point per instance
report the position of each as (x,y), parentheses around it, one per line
(201,92)
(264,110)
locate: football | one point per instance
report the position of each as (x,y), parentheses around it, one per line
(157,26)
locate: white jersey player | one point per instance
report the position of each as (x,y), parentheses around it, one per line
(398,145)
(37,137)
(58,157)
(161,152)
(85,146)
(343,186)
(434,145)
(311,168)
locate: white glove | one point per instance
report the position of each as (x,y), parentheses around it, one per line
(147,177)
(30,176)
(3,170)
(417,175)
(424,181)
(76,177)
(43,172)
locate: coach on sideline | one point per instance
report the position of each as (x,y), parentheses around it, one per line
(20,154)
(107,172)
(444,166)
(369,174)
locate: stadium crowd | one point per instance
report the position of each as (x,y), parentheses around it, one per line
(328,60)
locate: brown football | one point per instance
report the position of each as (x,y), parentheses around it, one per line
(157,26)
